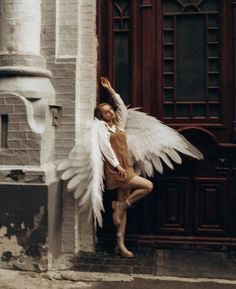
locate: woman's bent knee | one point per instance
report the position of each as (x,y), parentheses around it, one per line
(149,187)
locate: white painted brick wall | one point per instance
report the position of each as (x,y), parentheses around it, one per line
(23,146)
(67,27)
(48,28)
(20,26)
(68,41)
(86,83)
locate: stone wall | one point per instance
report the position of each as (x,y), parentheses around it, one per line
(47,92)
(28,183)
(22,146)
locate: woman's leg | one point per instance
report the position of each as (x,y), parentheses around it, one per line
(123,194)
(140,188)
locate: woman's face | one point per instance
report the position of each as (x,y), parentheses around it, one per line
(107,113)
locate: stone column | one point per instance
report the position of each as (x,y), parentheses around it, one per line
(31,220)
(24,77)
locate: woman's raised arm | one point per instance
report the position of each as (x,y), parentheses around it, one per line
(121,111)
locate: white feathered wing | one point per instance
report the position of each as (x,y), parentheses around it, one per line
(84,171)
(151,142)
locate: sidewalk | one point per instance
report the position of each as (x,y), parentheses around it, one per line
(10,279)
(157,262)
(150,269)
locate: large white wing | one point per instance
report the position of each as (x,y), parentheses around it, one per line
(84,171)
(151,142)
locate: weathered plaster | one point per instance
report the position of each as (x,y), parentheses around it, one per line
(23,227)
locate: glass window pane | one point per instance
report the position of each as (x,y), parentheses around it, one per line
(168,22)
(209,5)
(117,24)
(168,51)
(182,110)
(213,94)
(168,37)
(169,110)
(213,35)
(168,66)
(199,110)
(168,80)
(126,23)
(169,94)
(213,80)
(213,64)
(214,110)
(213,21)
(122,65)
(190,62)
(213,50)
(119,7)
(170,6)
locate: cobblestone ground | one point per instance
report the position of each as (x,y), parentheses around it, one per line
(144,262)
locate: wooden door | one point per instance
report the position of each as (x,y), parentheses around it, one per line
(175,59)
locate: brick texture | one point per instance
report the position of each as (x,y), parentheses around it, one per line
(69,44)
(20,26)
(23,146)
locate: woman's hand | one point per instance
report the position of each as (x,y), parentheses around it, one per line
(105,82)
(122,171)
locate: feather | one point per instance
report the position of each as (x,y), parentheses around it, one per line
(148,168)
(173,155)
(64,164)
(84,171)
(150,140)
(157,164)
(166,160)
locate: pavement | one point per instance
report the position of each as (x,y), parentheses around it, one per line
(150,269)
(157,262)
(10,279)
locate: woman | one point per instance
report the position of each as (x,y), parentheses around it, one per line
(119,172)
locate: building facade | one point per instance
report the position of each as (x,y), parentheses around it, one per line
(48,52)
(176,59)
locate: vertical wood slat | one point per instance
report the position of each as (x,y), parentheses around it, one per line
(147,54)
(234,50)
(159,98)
(207,66)
(102,33)
(110,37)
(175,63)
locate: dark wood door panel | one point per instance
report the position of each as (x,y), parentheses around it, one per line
(173,199)
(212,210)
